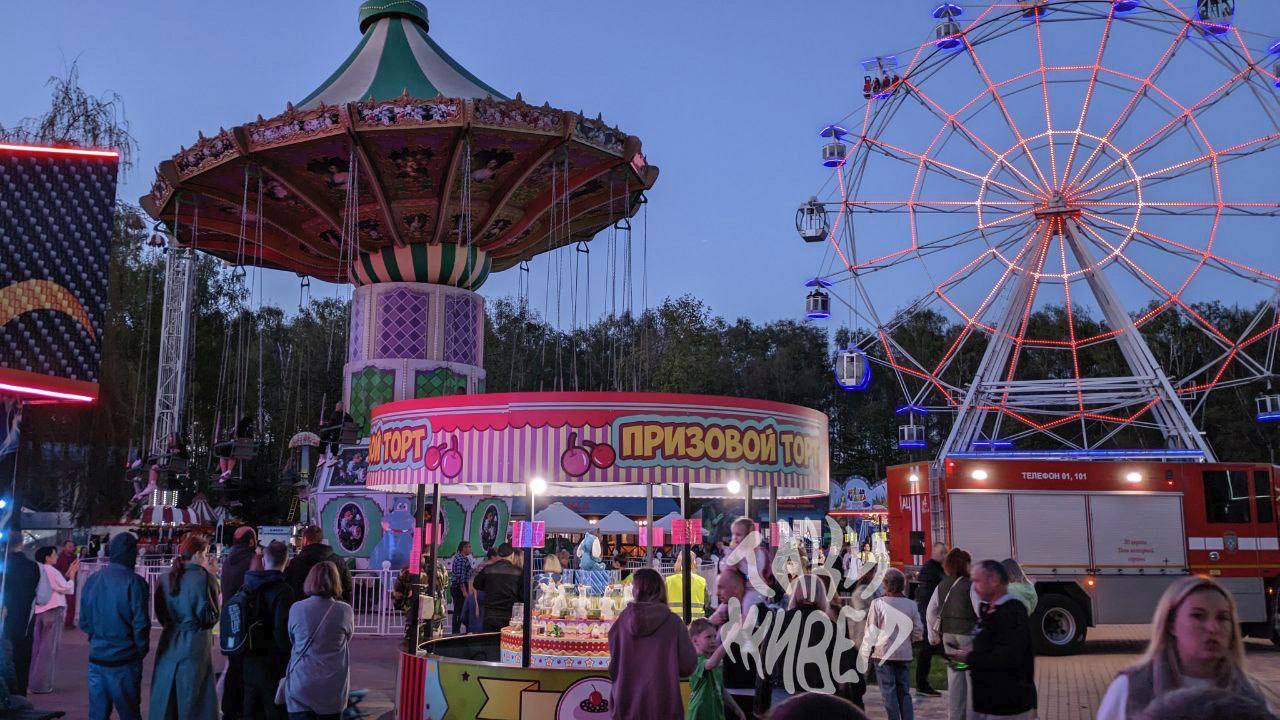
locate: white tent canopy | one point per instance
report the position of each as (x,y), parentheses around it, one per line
(665,522)
(615,523)
(563,520)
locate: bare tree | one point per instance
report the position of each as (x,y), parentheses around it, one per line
(77,119)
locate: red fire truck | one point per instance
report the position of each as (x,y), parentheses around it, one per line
(1100,539)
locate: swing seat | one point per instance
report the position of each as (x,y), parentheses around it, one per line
(345,434)
(244,448)
(174,465)
(238,448)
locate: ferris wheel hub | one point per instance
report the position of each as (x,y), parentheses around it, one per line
(1057,206)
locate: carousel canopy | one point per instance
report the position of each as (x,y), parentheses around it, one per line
(167,515)
(400,153)
(396,55)
(304,438)
(204,513)
(563,520)
(615,523)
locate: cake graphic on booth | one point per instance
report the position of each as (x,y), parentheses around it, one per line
(594,707)
(587,699)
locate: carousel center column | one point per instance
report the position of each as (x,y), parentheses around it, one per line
(417,326)
(417,331)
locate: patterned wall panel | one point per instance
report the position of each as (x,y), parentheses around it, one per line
(355,344)
(460,330)
(402,325)
(439,382)
(370,388)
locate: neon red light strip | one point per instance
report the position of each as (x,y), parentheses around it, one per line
(59,151)
(1088,98)
(1128,108)
(27,390)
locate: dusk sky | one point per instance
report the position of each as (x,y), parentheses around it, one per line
(727,98)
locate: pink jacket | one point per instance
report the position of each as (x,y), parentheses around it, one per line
(650,652)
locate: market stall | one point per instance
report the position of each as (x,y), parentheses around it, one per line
(548,445)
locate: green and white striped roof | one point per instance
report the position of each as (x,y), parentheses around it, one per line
(396,55)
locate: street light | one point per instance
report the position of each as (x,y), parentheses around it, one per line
(733,486)
(538,485)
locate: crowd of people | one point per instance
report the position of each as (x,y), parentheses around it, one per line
(286,625)
(287,656)
(974,615)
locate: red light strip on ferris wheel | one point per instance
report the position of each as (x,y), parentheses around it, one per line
(1043,252)
(1128,108)
(1048,118)
(1088,98)
(1187,113)
(948,166)
(1071,326)
(995,94)
(982,307)
(1172,296)
(1206,253)
(953,120)
(1212,156)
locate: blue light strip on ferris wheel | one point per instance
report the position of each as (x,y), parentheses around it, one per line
(1131,454)
(1272,416)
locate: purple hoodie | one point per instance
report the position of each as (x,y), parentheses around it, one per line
(650,651)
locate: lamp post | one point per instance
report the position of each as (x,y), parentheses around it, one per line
(537,486)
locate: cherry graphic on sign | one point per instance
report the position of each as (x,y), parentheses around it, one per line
(431,458)
(451,460)
(603,455)
(577,459)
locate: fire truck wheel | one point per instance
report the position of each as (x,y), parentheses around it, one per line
(1058,625)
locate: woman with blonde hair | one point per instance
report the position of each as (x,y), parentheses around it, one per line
(1195,643)
(186,604)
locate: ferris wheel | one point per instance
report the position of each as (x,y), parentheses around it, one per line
(1061,190)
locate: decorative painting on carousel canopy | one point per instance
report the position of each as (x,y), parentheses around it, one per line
(591,441)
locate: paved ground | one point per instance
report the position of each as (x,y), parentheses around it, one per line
(1070,688)
(373,666)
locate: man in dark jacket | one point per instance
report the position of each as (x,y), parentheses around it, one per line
(23,575)
(242,558)
(500,581)
(927,581)
(1001,664)
(113,613)
(264,666)
(315,551)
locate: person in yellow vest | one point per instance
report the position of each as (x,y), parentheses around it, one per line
(697,587)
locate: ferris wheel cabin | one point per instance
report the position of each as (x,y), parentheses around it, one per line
(811,221)
(1216,16)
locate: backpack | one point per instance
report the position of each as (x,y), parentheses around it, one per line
(241,626)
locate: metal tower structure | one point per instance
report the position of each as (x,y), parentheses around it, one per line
(175,335)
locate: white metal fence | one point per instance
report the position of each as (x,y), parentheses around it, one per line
(375,614)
